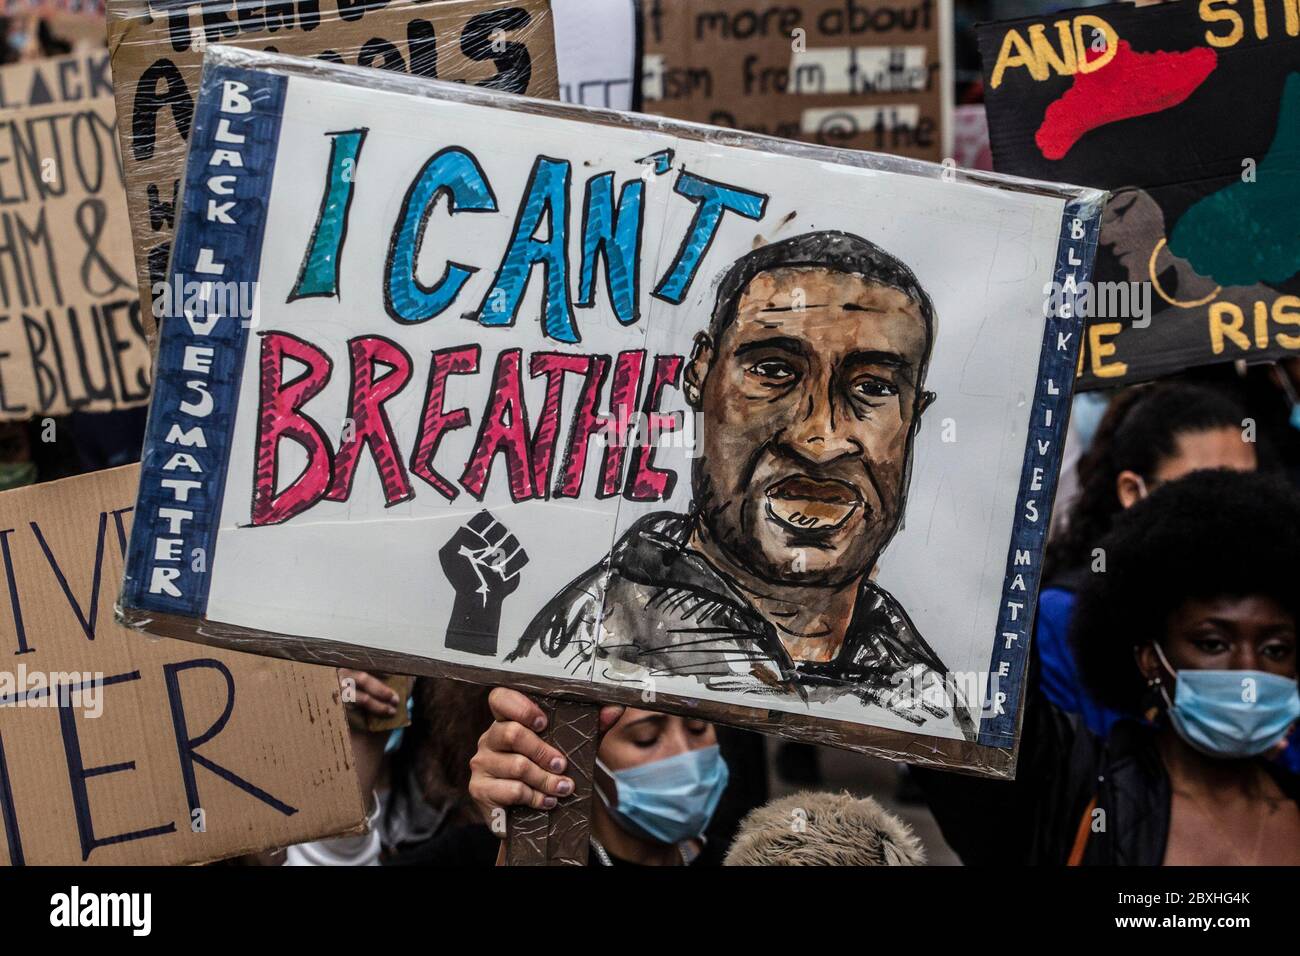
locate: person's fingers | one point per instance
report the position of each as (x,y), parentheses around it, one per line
(489,793)
(507,704)
(609,717)
(371,706)
(376,688)
(501,766)
(513,738)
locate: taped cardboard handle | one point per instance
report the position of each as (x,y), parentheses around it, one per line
(560,837)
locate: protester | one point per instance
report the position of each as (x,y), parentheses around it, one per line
(1150,435)
(1193,622)
(658,779)
(413,777)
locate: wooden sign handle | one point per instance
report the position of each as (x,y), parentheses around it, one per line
(560,837)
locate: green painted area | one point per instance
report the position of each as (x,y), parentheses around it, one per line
(1249,232)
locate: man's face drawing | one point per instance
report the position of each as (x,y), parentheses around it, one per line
(809,397)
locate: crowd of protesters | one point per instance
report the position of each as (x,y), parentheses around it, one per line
(1159,724)
(1169,586)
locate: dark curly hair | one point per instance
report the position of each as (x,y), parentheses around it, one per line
(1212,534)
(1139,431)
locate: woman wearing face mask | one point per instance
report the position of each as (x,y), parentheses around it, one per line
(1149,436)
(1193,622)
(658,779)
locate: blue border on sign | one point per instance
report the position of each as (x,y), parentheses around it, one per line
(1049,416)
(198,370)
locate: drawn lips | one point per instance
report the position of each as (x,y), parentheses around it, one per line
(812,504)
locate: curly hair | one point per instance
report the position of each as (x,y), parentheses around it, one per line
(1138,433)
(1214,534)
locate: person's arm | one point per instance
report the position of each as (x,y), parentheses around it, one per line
(369,696)
(1059,678)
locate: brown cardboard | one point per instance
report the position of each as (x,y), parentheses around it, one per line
(58,79)
(61,547)
(157,59)
(738,64)
(71,336)
(359,719)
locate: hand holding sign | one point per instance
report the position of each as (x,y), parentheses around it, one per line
(515,766)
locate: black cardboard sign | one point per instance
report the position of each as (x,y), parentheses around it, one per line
(1190,114)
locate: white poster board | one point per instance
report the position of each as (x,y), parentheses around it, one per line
(596,51)
(629,407)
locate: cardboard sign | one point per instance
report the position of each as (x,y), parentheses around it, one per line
(1188,112)
(58,79)
(837,72)
(71,333)
(86,8)
(158,48)
(120,749)
(546,395)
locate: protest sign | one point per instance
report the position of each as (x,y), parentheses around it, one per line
(118,749)
(548,395)
(86,8)
(57,79)
(1188,113)
(596,52)
(158,51)
(837,72)
(71,333)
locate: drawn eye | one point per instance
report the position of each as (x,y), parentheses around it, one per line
(774,370)
(875,388)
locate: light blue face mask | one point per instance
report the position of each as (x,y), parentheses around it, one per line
(668,800)
(1231,713)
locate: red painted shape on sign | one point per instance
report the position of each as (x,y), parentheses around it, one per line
(1131,84)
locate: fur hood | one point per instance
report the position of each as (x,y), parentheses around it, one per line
(824,829)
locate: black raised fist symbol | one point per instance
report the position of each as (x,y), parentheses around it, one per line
(482,562)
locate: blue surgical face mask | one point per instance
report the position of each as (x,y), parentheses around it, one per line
(1231,713)
(668,800)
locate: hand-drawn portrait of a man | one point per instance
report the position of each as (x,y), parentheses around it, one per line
(809,384)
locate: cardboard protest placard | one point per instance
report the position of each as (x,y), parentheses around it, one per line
(1189,113)
(837,72)
(546,395)
(86,8)
(71,337)
(58,79)
(158,49)
(117,749)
